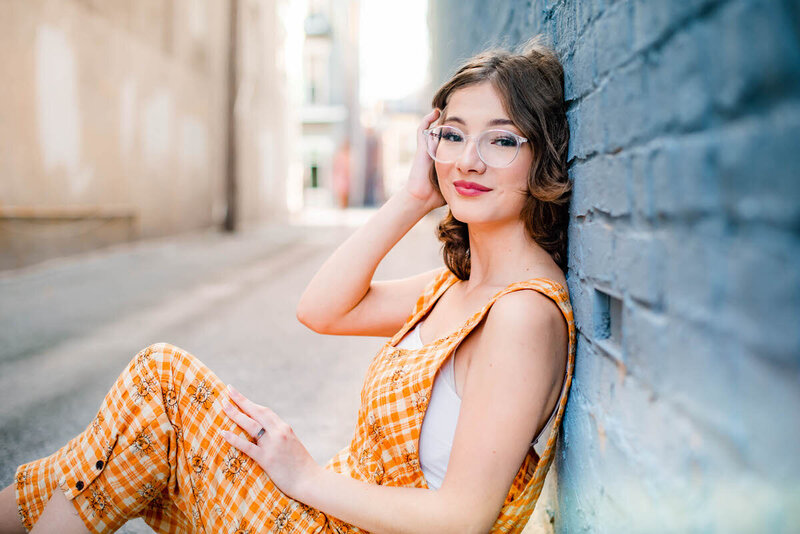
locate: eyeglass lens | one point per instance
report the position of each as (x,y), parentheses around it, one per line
(497,148)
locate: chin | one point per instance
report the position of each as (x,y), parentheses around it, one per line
(480,215)
(470,214)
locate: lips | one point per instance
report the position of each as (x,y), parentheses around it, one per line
(462,184)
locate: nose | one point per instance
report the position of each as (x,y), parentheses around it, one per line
(469,159)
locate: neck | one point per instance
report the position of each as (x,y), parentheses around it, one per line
(503,253)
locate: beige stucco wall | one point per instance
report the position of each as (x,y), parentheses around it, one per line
(113,121)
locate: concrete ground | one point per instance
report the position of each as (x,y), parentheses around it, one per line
(69,326)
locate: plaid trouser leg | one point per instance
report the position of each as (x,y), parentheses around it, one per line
(155,450)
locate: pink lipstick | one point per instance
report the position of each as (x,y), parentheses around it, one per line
(470,189)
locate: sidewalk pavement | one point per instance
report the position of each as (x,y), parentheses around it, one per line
(69,326)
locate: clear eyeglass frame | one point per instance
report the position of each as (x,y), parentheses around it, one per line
(477,138)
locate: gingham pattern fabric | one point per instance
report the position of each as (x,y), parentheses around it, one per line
(395,395)
(154,449)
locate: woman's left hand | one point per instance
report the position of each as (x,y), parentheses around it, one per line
(278,451)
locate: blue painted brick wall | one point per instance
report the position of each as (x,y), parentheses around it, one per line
(685,159)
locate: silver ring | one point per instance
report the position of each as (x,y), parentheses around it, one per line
(260,433)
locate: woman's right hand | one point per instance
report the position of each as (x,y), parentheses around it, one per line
(419,184)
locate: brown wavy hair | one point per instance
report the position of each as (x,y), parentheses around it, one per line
(531,86)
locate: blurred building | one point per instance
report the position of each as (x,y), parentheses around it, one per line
(396,123)
(115,119)
(333,144)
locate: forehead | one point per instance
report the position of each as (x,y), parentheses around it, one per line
(476,104)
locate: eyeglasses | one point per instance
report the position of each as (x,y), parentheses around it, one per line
(496,148)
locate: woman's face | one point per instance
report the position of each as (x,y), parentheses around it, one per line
(474,109)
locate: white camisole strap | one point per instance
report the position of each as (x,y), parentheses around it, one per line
(438,426)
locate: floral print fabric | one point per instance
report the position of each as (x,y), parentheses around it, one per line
(395,395)
(154,450)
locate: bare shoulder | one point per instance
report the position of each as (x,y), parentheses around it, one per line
(525,318)
(525,309)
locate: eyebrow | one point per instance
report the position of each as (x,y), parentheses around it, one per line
(493,122)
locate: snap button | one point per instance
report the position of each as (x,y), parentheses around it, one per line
(79,485)
(99,464)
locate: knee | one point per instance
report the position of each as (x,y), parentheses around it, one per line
(164,355)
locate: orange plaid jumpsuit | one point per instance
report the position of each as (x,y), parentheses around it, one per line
(154,449)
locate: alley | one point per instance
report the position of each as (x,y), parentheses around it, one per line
(68,327)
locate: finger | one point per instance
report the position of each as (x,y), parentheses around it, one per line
(430,118)
(260,414)
(247,447)
(247,406)
(271,417)
(250,425)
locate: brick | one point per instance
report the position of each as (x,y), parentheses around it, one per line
(681,86)
(749,71)
(693,372)
(641,187)
(601,185)
(591,130)
(696,188)
(640,257)
(598,251)
(623,110)
(583,16)
(614,25)
(763,394)
(663,177)
(695,270)
(565,26)
(579,68)
(677,90)
(760,297)
(580,295)
(580,203)
(757,166)
(651,20)
(576,148)
(574,252)
(644,343)
(609,176)
(683,178)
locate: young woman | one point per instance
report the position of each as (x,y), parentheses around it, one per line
(447,440)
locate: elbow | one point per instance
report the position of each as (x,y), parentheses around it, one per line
(468,524)
(461,520)
(472,524)
(477,519)
(308,320)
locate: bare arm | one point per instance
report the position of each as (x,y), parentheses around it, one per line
(517,364)
(342,298)
(519,361)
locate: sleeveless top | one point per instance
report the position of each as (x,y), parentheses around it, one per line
(395,395)
(439,424)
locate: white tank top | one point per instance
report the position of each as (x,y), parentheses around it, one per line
(441,416)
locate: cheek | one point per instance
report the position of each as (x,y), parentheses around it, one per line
(518,175)
(442,170)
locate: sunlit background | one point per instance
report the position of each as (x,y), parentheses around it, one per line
(130,120)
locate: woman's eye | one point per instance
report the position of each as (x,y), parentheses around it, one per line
(451,136)
(505,141)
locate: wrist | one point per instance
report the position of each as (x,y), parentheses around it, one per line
(413,203)
(309,483)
